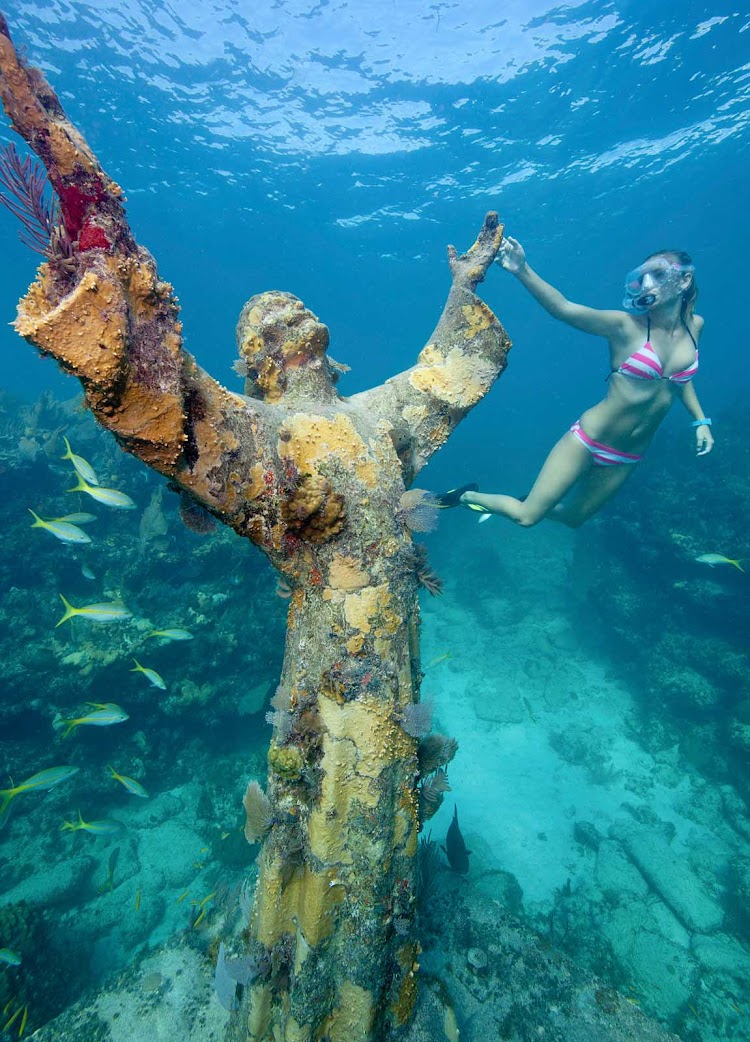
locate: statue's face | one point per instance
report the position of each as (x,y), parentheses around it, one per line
(275,335)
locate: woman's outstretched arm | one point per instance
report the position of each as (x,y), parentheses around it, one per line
(100,309)
(609,324)
(464,356)
(704,439)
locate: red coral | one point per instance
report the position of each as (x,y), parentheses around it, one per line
(74,205)
(92,238)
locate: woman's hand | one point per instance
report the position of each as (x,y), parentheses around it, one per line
(704,440)
(511,255)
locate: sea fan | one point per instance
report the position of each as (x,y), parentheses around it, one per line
(282,699)
(231,972)
(416,718)
(419,510)
(26,197)
(281,721)
(258,813)
(435,750)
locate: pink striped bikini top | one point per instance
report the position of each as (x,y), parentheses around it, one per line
(645,364)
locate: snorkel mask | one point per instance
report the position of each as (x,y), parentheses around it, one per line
(656,273)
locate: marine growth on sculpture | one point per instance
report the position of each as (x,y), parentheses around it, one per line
(316,482)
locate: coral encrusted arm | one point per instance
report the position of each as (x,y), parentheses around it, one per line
(100,309)
(457,367)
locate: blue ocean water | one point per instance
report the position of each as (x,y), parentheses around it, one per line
(334,150)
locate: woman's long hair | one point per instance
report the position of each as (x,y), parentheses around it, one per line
(690,295)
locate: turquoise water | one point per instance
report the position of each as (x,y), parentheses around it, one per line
(597,681)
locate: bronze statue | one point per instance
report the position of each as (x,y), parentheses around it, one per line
(316,482)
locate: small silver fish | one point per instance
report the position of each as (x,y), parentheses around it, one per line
(171,634)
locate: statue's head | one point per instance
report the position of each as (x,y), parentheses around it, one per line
(282,347)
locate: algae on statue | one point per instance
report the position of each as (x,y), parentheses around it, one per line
(314,480)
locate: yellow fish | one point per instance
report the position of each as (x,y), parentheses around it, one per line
(171,634)
(113,611)
(134,787)
(138,899)
(13,1019)
(65,531)
(42,780)
(103,827)
(82,467)
(150,674)
(438,659)
(104,717)
(714,559)
(110,497)
(80,517)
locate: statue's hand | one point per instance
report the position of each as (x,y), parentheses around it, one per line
(471,267)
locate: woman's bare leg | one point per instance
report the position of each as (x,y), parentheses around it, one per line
(595,489)
(565,464)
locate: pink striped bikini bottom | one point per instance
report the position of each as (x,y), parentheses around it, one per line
(602,455)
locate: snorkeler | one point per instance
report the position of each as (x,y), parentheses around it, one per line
(653,349)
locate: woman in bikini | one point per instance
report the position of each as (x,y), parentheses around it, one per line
(653,350)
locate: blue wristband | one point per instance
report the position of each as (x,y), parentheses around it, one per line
(701,423)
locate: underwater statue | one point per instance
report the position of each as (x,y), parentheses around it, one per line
(316,482)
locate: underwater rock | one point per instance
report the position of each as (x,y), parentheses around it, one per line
(170,850)
(587,834)
(669,875)
(615,874)
(500,701)
(723,954)
(476,960)
(688,689)
(658,967)
(55,884)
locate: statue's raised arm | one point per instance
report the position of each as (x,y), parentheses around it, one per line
(99,307)
(462,359)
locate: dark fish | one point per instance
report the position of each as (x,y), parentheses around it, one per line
(455,848)
(109,882)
